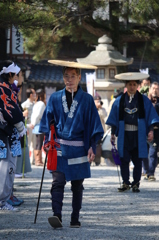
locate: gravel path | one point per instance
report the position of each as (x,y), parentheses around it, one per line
(106,214)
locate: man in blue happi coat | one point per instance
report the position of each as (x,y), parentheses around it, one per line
(131,119)
(78,129)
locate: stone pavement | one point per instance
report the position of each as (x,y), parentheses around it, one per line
(106,213)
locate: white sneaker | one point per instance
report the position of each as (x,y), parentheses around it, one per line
(18,175)
(8,207)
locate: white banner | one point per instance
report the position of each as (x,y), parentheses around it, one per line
(90,78)
(17,41)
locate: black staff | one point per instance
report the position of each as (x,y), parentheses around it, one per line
(40,189)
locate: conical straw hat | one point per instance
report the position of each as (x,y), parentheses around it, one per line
(72,64)
(131,76)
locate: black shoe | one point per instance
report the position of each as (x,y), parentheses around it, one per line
(146,177)
(97,164)
(55,222)
(151,178)
(124,187)
(135,189)
(59,216)
(75,223)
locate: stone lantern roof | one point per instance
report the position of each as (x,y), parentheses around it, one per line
(105,54)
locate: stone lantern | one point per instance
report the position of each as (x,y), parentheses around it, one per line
(106,58)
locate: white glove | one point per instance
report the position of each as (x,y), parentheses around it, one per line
(21,128)
(22,133)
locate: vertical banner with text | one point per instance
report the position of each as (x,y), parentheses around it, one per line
(17,41)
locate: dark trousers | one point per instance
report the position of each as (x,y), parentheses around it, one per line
(150,163)
(124,167)
(152,160)
(57,192)
(145,165)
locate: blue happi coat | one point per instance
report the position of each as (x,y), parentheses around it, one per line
(10,114)
(144,123)
(80,123)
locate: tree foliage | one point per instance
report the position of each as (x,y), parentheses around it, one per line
(143,16)
(45,23)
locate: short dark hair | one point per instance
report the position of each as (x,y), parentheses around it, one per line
(137,81)
(147,79)
(40,94)
(78,70)
(29,92)
(154,83)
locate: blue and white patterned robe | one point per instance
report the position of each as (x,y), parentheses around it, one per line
(144,124)
(81,123)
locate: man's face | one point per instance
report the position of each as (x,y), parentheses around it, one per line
(71,79)
(131,87)
(154,90)
(145,82)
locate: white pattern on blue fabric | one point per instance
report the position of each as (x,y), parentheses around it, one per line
(64,103)
(73,108)
(16,148)
(16,145)
(2,144)
(3,153)
(3,150)
(15,134)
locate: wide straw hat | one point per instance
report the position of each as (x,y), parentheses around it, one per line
(72,64)
(130,76)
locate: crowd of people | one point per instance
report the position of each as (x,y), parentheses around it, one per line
(79,123)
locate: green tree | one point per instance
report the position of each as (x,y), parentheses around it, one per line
(142,22)
(45,23)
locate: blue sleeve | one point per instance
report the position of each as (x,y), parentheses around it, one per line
(47,118)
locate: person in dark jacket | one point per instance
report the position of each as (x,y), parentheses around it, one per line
(11,129)
(149,164)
